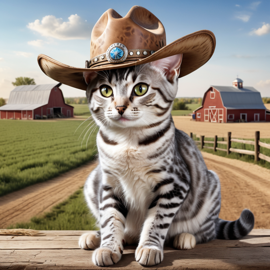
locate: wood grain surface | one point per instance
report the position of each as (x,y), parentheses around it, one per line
(59,250)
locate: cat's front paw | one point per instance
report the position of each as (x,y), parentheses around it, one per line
(184,241)
(90,240)
(105,256)
(148,255)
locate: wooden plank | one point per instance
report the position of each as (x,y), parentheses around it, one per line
(221,149)
(266,145)
(229,136)
(215,143)
(209,147)
(241,151)
(264,157)
(257,146)
(68,244)
(221,142)
(243,141)
(251,252)
(202,142)
(39,238)
(208,141)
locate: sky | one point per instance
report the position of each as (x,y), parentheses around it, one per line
(62,30)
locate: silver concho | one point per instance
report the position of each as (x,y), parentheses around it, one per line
(117,53)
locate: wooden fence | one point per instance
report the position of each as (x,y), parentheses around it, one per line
(257,145)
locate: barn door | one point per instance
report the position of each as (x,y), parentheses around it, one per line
(213,115)
(206,115)
(256,117)
(220,115)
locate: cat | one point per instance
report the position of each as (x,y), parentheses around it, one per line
(151,185)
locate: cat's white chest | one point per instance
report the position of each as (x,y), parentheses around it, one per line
(130,166)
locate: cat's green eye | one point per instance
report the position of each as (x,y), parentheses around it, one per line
(106,91)
(140,89)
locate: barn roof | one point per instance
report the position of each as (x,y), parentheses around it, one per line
(240,98)
(28,97)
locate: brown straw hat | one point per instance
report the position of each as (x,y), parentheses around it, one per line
(137,38)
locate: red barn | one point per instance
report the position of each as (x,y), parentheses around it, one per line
(35,102)
(222,104)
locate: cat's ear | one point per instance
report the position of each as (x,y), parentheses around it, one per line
(89,76)
(169,66)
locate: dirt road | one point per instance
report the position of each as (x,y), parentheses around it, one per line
(243,185)
(22,205)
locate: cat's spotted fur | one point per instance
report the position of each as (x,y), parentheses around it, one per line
(151,184)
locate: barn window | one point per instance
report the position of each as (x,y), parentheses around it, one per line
(231,116)
(212,95)
(198,115)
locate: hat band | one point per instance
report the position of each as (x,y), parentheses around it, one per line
(133,54)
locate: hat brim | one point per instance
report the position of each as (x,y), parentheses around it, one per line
(197,48)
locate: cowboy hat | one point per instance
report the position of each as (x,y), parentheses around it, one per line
(137,38)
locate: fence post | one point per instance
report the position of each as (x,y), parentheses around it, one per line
(215,143)
(229,142)
(191,135)
(257,146)
(202,142)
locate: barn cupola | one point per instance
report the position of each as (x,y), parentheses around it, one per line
(238,83)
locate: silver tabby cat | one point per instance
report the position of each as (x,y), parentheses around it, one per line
(151,185)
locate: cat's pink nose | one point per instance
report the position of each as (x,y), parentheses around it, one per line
(120,109)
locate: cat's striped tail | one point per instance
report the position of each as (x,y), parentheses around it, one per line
(235,229)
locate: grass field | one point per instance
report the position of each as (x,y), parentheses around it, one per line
(35,151)
(72,214)
(191,108)
(83,110)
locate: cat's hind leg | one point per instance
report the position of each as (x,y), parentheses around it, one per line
(90,240)
(184,241)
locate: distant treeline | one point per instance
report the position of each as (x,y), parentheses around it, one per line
(181,103)
(76,100)
(266,100)
(178,104)
(83,100)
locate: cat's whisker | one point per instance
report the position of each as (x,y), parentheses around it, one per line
(89,129)
(93,130)
(86,128)
(83,123)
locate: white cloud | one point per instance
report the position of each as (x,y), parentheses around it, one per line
(265,29)
(23,54)
(50,26)
(36,43)
(265,83)
(1,59)
(237,5)
(254,5)
(243,16)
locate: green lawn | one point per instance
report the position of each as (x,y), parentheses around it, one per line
(72,214)
(35,151)
(81,109)
(191,107)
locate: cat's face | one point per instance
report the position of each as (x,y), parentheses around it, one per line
(133,97)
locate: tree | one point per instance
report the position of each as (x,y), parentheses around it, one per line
(2,102)
(23,81)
